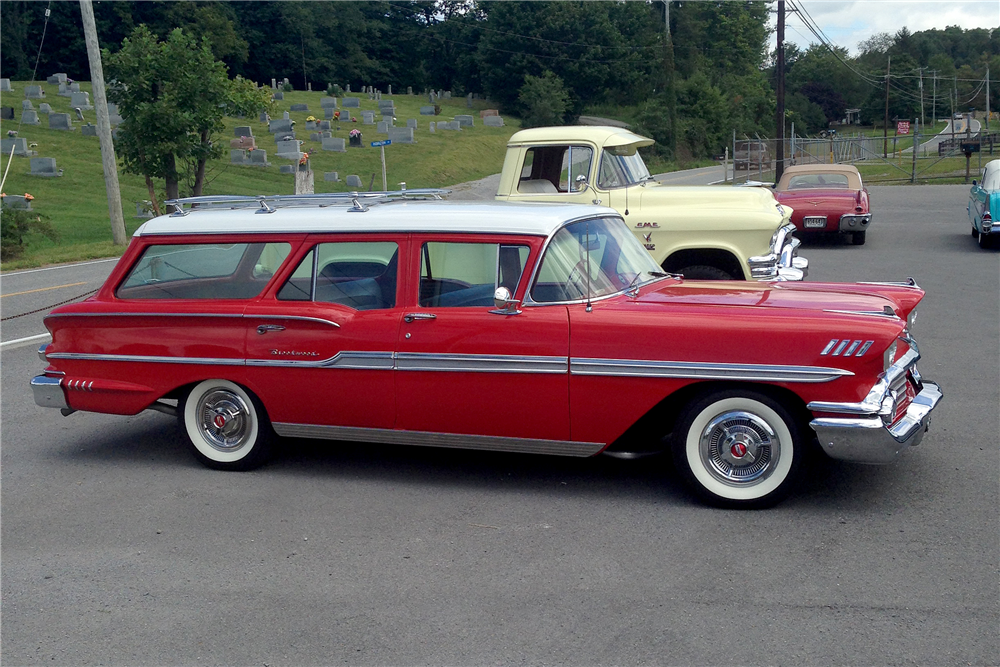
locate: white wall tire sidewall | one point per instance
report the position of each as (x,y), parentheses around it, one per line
(750,492)
(194,432)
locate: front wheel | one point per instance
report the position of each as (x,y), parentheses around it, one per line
(226,426)
(738,449)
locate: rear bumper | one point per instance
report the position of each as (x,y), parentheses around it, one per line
(48,392)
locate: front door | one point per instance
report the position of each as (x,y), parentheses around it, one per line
(320,345)
(465,368)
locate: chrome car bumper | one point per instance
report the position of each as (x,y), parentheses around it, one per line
(867,433)
(850,222)
(48,392)
(782,263)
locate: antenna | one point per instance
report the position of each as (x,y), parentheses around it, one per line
(586,231)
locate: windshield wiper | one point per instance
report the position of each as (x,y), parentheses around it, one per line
(633,288)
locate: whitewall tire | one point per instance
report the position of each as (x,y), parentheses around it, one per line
(738,449)
(226,426)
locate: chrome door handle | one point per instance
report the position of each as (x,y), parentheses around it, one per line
(264,328)
(409,317)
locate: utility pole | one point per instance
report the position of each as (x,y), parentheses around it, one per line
(669,88)
(103,124)
(987,98)
(920,70)
(885,122)
(779,166)
(934,103)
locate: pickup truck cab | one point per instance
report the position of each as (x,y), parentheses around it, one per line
(702,232)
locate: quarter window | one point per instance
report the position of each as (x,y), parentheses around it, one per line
(467,274)
(359,275)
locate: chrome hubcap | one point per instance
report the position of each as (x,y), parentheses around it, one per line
(739,448)
(224,419)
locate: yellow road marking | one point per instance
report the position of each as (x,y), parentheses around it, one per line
(42,289)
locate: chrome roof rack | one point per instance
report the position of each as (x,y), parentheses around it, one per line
(358,201)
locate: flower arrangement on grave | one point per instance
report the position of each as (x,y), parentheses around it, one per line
(355,138)
(355,132)
(304,159)
(312,118)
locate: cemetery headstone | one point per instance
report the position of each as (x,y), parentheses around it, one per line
(30,117)
(18,144)
(352,102)
(286,116)
(328,103)
(5,86)
(312,125)
(493,121)
(278,95)
(34,92)
(382,127)
(16,201)
(258,158)
(88,130)
(243,131)
(286,168)
(367,117)
(328,112)
(73,88)
(389,89)
(348,88)
(26,105)
(353,181)
(324,125)
(464,121)
(431,127)
(244,143)
(283,136)
(279,125)
(45,166)
(488,112)
(44,108)
(427,111)
(409,90)
(330,176)
(63,90)
(453,125)
(401,135)
(289,150)
(263,118)
(59,77)
(300,107)
(391,120)
(468,100)
(411,122)
(60,121)
(7,113)
(237,157)
(80,101)
(334,144)
(79,113)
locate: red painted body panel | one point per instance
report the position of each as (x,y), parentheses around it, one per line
(829,203)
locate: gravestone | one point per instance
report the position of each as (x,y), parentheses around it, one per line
(7,113)
(34,92)
(286,168)
(45,166)
(328,113)
(278,96)
(353,181)
(387,106)
(309,86)
(493,121)
(16,201)
(334,144)
(391,120)
(258,158)
(279,125)
(289,150)
(430,97)
(352,102)
(73,88)
(63,90)
(431,127)
(26,105)
(274,84)
(237,157)
(367,117)
(143,209)
(409,90)
(328,103)
(60,121)
(300,107)
(79,113)
(286,116)
(59,77)
(5,86)
(382,127)
(30,117)
(331,176)
(411,122)
(426,111)
(348,88)
(243,143)
(468,100)
(18,144)
(88,130)
(312,125)
(453,125)
(283,136)
(447,94)
(464,121)
(44,108)
(263,118)
(324,125)
(389,88)
(401,135)
(243,131)
(488,112)
(285,81)
(80,101)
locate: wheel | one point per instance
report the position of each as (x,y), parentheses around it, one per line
(858,238)
(985,240)
(975,232)
(738,449)
(226,426)
(703,272)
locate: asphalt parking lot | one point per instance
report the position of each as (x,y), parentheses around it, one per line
(118,548)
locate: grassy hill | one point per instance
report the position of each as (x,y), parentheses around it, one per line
(76,203)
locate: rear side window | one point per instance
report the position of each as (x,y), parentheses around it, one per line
(203,271)
(359,275)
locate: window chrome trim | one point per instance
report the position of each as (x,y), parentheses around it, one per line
(704,371)
(434,439)
(480,363)
(244,316)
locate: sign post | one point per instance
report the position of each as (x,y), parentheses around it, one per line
(381,145)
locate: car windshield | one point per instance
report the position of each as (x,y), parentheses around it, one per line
(595,257)
(621,166)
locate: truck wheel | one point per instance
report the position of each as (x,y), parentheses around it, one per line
(858,238)
(702,272)
(226,426)
(738,449)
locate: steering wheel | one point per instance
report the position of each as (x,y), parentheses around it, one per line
(576,277)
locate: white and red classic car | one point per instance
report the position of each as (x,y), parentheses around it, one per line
(826,198)
(500,326)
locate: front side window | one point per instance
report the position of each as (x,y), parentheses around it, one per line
(359,275)
(203,271)
(467,274)
(555,169)
(592,258)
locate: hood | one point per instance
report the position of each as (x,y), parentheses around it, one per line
(707,197)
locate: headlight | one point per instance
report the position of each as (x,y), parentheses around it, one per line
(911,319)
(889,356)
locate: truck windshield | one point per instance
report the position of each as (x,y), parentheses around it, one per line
(622,166)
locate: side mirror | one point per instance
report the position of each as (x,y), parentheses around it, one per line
(581,182)
(974,183)
(504,302)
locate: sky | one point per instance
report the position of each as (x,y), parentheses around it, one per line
(847,22)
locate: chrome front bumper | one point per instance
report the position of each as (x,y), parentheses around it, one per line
(782,263)
(867,434)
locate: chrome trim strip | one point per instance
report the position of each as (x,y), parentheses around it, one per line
(840,348)
(296,318)
(299,318)
(704,371)
(829,346)
(864,348)
(341,360)
(207,361)
(878,401)
(480,363)
(909,282)
(871,313)
(433,439)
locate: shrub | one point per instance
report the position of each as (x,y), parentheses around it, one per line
(15,225)
(287,87)
(544,100)
(334,90)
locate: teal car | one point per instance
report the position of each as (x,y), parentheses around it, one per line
(984,206)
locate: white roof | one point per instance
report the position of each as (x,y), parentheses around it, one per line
(533,219)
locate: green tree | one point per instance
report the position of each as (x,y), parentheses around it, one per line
(544,99)
(173,96)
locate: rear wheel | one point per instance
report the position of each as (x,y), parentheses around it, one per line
(738,449)
(703,272)
(226,426)
(985,241)
(858,238)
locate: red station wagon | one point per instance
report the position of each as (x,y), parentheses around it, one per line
(395,320)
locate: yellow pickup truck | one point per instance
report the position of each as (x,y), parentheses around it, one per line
(703,232)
